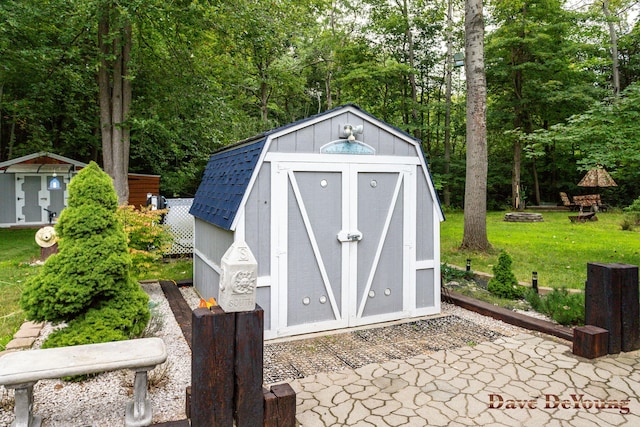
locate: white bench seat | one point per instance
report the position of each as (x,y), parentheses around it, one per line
(21,370)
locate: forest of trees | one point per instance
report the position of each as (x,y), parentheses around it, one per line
(163,84)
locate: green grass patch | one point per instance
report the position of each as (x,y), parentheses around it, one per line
(169,269)
(18,251)
(18,248)
(557,249)
(18,245)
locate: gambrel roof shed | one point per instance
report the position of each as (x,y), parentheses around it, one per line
(341,214)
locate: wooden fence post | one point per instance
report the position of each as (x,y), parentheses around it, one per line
(280,406)
(212,367)
(611,303)
(249,340)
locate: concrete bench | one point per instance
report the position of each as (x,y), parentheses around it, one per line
(20,370)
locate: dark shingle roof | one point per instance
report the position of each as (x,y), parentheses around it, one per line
(224,183)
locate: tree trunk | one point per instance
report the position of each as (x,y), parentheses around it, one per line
(516,190)
(536,183)
(615,72)
(104,94)
(264,101)
(411,62)
(329,61)
(126,106)
(517,59)
(447,115)
(327,86)
(475,193)
(12,135)
(115,100)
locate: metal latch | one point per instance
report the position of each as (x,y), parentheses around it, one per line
(349,236)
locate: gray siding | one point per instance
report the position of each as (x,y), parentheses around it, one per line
(8,193)
(212,242)
(425,219)
(305,281)
(263,299)
(425,287)
(205,279)
(373,203)
(32,187)
(258,220)
(312,137)
(56,197)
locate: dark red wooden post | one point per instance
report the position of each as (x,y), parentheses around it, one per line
(270,409)
(611,302)
(590,341)
(630,307)
(286,404)
(249,342)
(212,367)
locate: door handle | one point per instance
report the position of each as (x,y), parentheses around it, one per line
(349,236)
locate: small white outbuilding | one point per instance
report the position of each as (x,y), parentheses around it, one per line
(341,215)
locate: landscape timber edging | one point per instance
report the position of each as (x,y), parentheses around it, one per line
(508,316)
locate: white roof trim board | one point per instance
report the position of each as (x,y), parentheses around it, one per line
(21,165)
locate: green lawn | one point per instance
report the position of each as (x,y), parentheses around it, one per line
(557,249)
(17,248)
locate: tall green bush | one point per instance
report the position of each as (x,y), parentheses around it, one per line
(148,239)
(504,283)
(88,284)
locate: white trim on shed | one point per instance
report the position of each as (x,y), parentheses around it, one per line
(341,240)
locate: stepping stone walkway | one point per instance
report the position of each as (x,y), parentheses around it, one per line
(25,337)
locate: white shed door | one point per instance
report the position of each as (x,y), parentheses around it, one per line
(344,235)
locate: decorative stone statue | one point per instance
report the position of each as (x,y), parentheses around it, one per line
(238,279)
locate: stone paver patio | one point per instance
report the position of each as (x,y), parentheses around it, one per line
(522,380)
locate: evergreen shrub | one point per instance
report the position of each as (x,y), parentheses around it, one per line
(88,283)
(504,283)
(560,305)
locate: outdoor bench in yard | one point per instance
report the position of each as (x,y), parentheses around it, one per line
(20,370)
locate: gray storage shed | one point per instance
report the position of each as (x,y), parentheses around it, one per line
(341,214)
(33,186)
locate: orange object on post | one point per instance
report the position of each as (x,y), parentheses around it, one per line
(207,304)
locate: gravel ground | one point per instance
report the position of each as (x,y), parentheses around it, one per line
(100,401)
